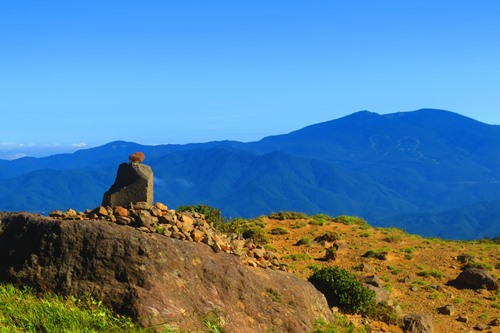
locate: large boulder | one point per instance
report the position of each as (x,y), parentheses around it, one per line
(475,278)
(153,278)
(417,323)
(133,183)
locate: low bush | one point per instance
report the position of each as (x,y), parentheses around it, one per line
(288,215)
(342,289)
(304,241)
(432,272)
(320,219)
(298,224)
(381,255)
(279,231)
(212,215)
(348,220)
(257,234)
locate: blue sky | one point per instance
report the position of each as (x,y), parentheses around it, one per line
(78,74)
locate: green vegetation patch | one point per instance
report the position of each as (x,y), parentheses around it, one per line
(279,231)
(298,224)
(23,311)
(288,216)
(342,289)
(304,241)
(432,272)
(477,264)
(348,220)
(212,215)
(320,219)
(299,256)
(274,295)
(377,254)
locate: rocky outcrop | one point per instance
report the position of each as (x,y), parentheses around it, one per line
(475,278)
(417,323)
(190,226)
(133,183)
(153,278)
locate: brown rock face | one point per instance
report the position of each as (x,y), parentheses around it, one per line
(133,183)
(153,278)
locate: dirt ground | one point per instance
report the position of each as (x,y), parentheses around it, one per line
(415,271)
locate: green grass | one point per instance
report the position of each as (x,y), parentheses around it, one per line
(274,295)
(432,272)
(299,256)
(340,324)
(279,231)
(345,219)
(298,225)
(320,219)
(378,254)
(477,264)
(304,241)
(21,310)
(288,215)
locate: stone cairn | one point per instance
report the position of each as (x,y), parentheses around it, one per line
(187,226)
(133,183)
(129,202)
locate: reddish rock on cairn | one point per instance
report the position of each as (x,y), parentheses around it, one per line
(137,157)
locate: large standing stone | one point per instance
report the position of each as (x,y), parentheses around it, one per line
(133,183)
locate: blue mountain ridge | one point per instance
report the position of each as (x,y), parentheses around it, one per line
(431,172)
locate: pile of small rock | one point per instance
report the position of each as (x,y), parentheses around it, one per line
(189,226)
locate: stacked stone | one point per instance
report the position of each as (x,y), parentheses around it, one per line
(189,226)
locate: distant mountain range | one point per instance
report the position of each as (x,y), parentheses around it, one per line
(431,172)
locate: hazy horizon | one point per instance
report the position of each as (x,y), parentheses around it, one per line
(15,151)
(81,74)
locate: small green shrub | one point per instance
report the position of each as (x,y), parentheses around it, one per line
(432,272)
(304,241)
(298,224)
(378,254)
(345,219)
(395,270)
(288,215)
(358,267)
(212,215)
(320,219)
(279,231)
(393,237)
(408,249)
(258,234)
(342,289)
(314,267)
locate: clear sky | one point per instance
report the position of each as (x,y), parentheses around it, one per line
(85,73)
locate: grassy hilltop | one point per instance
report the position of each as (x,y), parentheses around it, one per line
(414,270)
